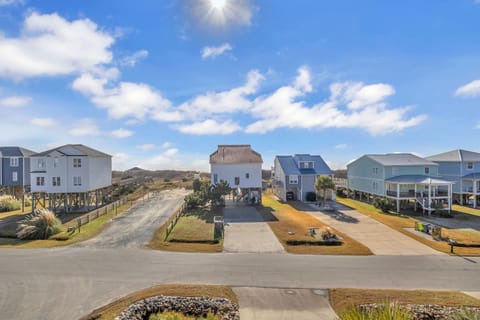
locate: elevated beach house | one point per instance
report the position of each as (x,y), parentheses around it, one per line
(71,176)
(15,170)
(463,168)
(405,178)
(241,167)
(296,175)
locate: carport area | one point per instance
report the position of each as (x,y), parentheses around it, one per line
(246,231)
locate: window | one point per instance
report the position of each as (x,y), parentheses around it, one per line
(55,162)
(469,165)
(56,181)
(247,175)
(293,179)
(306,164)
(77,181)
(77,163)
(41,163)
(40,181)
(427,170)
(237,181)
(13,162)
(375,171)
(375,186)
(215,178)
(14,176)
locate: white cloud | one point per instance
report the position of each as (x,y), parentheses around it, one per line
(14,101)
(85,127)
(365,108)
(174,159)
(49,45)
(209,127)
(166,145)
(122,133)
(212,52)
(471,89)
(341,146)
(121,161)
(230,101)
(11,2)
(478,124)
(146,147)
(132,59)
(43,122)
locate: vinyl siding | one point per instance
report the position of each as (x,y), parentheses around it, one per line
(228,172)
(361,176)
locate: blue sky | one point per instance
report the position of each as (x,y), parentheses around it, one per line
(158,84)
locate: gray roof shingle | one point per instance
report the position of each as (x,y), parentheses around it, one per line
(289,164)
(73,150)
(15,152)
(235,153)
(458,155)
(400,159)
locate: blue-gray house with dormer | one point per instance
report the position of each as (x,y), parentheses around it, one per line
(463,168)
(15,168)
(297,174)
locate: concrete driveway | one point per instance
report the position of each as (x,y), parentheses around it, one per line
(284,304)
(379,238)
(136,227)
(246,231)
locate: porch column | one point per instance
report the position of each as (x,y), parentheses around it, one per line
(415,195)
(398,197)
(475,193)
(429,198)
(449,197)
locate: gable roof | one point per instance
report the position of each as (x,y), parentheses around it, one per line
(73,150)
(234,154)
(400,159)
(458,155)
(289,164)
(15,152)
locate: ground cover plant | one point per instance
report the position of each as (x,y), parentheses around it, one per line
(39,225)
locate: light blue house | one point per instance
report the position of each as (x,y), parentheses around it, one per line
(14,168)
(403,177)
(463,168)
(297,174)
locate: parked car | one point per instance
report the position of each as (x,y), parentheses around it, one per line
(290,195)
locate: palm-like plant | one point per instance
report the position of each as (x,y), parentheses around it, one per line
(324,183)
(39,225)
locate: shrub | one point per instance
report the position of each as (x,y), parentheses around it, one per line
(9,203)
(41,224)
(383,204)
(466,315)
(387,311)
(311,196)
(28,203)
(195,200)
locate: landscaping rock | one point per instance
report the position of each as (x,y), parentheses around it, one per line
(190,306)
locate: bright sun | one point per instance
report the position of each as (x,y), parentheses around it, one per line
(218,4)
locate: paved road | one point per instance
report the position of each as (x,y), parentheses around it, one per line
(247,232)
(66,283)
(379,238)
(284,304)
(136,227)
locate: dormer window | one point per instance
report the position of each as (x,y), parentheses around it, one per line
(306,164)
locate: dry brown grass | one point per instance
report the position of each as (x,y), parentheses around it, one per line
(467,210)
(283,218)
(342,299)
(465,236)
(111,310)
(399,223)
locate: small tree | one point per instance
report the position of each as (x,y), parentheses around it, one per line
(39,225)
(196,185)
(218,192)
(324,183)
(382,204)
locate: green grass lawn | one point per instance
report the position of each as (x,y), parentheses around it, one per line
(193,232)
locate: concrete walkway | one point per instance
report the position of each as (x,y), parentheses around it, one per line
(247,232)
(283,304)
(381,239)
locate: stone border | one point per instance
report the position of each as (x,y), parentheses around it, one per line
(197,307)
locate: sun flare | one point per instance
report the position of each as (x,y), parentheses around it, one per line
(218,4)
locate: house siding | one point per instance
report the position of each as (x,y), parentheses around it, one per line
(278,185)
(392,171)
(228,172)
(361,176)
(7,172)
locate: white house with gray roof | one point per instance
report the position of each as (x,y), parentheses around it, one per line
(403,177)
(241,167)
(72,168)
(297,174)
(463,168)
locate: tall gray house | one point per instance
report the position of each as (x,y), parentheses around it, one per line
(462,167)
(297,174)
(14,169)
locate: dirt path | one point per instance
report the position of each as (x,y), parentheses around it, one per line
(136,227)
